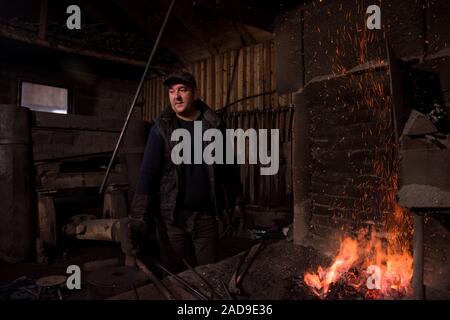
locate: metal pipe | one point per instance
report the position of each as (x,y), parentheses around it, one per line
(183,283)
(138,91)
(225,289)
(158,284)
(206,283)
(418,256)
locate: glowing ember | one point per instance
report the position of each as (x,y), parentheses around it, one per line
(375,268)
(348,255)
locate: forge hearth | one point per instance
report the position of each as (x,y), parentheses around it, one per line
(282,280)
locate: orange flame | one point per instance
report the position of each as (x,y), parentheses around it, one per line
(348,255)
(353,260)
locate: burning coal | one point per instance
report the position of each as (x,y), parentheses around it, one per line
(373,266)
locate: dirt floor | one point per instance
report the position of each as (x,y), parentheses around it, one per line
(275,274)
(15,276)
(18,276)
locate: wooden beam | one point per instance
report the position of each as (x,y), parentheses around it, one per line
(78,180)
(43,19)
(246,35)
(16,34)
(47,219)
(75,122)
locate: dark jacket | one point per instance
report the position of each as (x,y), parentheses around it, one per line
(161,199)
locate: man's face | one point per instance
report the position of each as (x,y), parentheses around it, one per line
(181,98)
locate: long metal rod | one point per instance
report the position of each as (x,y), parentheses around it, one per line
(225,289)
(138,91)
(188,287)
(203,280)
(158,284)
(418,256)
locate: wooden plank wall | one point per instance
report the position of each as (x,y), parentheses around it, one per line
(241,79)
(244,81)
(272,190)
(58,136)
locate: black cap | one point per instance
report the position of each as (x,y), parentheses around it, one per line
(181,77)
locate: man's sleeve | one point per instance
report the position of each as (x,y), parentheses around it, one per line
(146,199)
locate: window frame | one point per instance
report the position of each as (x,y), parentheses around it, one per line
(49,84)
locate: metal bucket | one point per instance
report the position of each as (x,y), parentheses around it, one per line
(16,177)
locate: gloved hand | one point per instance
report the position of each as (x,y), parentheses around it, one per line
(232,221)
(238,217)
(131,233)
(225,225)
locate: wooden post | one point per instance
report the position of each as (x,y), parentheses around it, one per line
(47,218)
(43,19)
(418,256)
(219,77)
(251,77)
(240,80)
(114,203)
(226,78)
(300,168)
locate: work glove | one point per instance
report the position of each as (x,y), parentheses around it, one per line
(232,221)
(135,228)
(131,232)
(226,229)
(238,217)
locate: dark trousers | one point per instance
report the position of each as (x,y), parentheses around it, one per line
(194,239)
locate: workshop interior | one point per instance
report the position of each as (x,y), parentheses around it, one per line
(357,91)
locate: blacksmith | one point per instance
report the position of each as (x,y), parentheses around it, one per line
(186,204)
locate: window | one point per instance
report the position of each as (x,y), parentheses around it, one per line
(44,98)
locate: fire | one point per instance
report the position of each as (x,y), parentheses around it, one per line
(348,255)
(354,264)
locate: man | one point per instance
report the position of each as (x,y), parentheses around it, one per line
(186,202)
